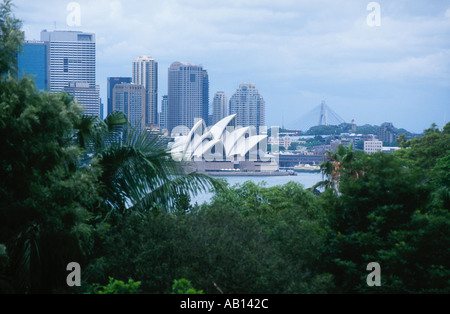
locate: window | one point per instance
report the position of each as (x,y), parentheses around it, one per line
(66,65)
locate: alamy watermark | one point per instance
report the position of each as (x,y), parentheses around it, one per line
(374,17)
(74,16)
(74,277)
(374,278)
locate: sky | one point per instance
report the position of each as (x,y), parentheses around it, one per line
(370,61)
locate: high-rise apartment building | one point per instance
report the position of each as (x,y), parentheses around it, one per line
(386,133)
(33,61)
(145,73)
(186,95)
(130,99)
(71,65)
(111,82)
(249,106)
(220,107)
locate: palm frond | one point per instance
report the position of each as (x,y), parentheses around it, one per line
(138,172)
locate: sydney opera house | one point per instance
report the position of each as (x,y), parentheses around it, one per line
(223,147)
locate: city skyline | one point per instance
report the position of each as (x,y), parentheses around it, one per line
(298,53)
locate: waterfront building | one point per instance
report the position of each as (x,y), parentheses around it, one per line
(249,106)
(223,146)
(145,73)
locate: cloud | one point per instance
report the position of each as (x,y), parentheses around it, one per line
(285,46)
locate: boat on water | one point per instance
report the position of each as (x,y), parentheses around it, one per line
(306,168)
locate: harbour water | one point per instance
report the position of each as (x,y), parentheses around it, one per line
(306,179)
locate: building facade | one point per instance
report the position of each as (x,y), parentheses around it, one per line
(86,96)
(71,65)
(130,99)
(249,106)
(111,82)
(186,95)
(371,147)
(386,133)
(205,99)
(145,73)
(33,61)
(220,107)
(163,114)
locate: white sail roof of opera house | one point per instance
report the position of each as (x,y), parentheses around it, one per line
(219,142)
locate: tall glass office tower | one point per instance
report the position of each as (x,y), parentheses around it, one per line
(249,106)
(111,82)
(187,84)
(33,61)
(130,99)
(71,64)
(145,73)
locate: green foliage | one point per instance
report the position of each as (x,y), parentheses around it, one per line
(424,151)
(184,286)
(387,214)
(11,39)
(119,287)
(76,188)
(250,239)
(46,196)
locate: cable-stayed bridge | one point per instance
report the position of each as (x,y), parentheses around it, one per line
(320,115)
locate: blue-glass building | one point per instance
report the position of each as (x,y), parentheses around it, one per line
(33,61)
(111,82)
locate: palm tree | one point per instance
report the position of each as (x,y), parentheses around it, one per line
(334,166)
(138,171)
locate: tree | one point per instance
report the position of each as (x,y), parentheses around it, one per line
(46,195)
(335,164)
(11,39)
(387,215)
(138,171)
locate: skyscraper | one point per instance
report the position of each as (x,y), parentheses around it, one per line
(219,107)
(145,73)
(130,99)
(205,108)
(86,96)
(111,82)
(71,65)
(163,115)
(187,84)
(33,61)
(249,106)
